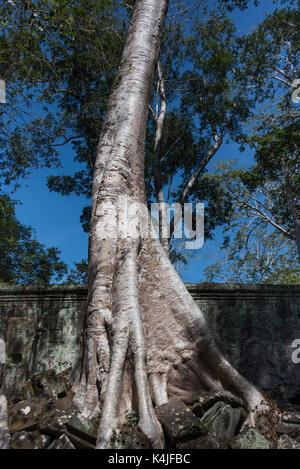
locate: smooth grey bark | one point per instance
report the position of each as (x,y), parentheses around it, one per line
(202,165)
(145,340)
(159,118)
(119,171)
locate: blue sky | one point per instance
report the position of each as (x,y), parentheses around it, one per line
(56,218)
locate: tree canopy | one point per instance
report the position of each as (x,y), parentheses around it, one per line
(60,59)
(23,258)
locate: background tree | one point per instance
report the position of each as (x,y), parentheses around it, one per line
(266,194)
(23,258)
(270,60)
(46,49)
(277,175)
(192,131)
(258,217)
(79,274)
(261,257)
(58,59)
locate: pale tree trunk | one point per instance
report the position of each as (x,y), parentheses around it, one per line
(145,339)
(159,118)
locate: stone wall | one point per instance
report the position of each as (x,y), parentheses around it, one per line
(255,326)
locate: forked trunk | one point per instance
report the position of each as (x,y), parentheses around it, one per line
(145,339)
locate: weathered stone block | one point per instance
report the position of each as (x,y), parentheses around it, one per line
(63,442)
(205,442)
(179,422)
(20,337)
(291,417)
(289,424)
(129,438)
(26,415)
(4,439)
(250,438)
(291,429)
(80,431)
(54,425)
(48,381)
(29,440)
(206,401)
(67,405)
(83,428)
(79,443)
(222,421)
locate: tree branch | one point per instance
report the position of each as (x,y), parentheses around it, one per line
(218,142)
(268,219)
(67,140)
(156,157)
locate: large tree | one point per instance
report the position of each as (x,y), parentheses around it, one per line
(22,258)
(145,339)
(276,174)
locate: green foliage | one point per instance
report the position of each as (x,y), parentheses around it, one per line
(270,54)
(60,59)
(243,4)
(62,56)
(68,63)
(264,257)
(259,233)
(132,419)
(213,93)
(79,275)
(209,102)
(253,196)
(22,258)
(277,170)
